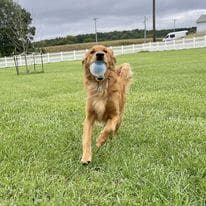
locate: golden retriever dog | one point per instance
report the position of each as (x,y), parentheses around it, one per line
(106,96)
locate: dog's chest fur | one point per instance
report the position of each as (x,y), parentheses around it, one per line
(99,98)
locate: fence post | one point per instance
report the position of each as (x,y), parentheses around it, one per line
(21,63)
(194,42)
(133,48)
(157,46)
(62,59)
(183,43)
(205,40)
(42,62)
(150,46)
(122,49)
(143,47)
(174,44)
(34,61)
(6,63)
(74,54)
(48,58)
(165,46)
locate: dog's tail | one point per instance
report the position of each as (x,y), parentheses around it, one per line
(125,72)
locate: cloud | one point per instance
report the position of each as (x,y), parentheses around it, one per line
(71,17)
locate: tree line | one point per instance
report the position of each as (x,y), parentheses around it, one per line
(107,36)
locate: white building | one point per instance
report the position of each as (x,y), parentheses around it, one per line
(201,23)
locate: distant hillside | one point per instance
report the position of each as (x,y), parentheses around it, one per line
(107,36)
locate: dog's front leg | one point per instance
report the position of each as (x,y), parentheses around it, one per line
(109,128)
(86,140)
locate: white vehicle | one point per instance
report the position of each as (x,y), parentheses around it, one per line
(175,35)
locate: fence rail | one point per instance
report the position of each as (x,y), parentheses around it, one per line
(196,42)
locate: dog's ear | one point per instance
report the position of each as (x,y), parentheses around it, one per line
(114,59)
(84,61)
(110,51)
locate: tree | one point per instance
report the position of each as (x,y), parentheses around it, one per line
(16,33)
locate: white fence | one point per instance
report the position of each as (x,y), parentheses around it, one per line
(198,42)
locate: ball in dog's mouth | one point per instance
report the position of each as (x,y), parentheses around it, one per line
(98,69)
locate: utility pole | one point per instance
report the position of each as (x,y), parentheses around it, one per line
(174,24)
(154,29)
(95,28)
(145,29)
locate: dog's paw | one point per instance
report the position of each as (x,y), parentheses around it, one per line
(85,161)
(100,142)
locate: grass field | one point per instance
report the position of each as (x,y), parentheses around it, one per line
(158,157)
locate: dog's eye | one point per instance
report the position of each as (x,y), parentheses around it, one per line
(105,51)
(92,52)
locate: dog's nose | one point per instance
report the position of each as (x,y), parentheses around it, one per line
(100,78)
(100,55)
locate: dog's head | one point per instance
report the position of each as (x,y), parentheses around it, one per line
(98,61)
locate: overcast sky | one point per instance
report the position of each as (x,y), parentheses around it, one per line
(56,18)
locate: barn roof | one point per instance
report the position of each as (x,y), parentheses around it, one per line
(201,19)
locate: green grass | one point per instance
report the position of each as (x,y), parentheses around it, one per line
(158,157)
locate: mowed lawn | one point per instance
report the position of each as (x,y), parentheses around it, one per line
(157,158)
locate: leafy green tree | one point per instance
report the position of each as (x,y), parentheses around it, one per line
(16,33)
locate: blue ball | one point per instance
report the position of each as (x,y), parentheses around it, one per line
(98,68)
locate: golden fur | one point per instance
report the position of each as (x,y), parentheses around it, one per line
(105,99)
